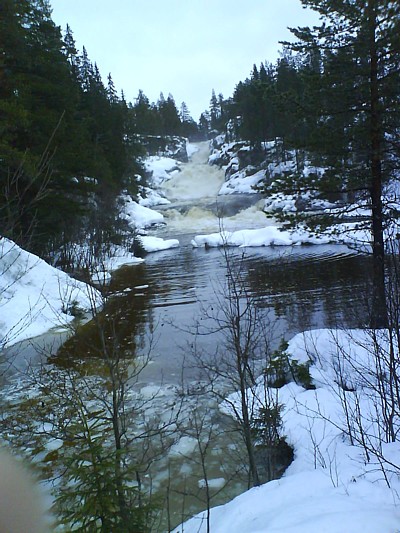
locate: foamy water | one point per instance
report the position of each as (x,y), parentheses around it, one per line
(196,180)
(197,207)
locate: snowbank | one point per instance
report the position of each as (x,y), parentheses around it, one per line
(161,168)
(139,216)
(275,236)
(149,198)
(331,486)
(156,244)
(306,503)
(35,297)
(242,183)
(120,257)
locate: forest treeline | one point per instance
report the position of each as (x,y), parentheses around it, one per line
(61,124)
(333,93)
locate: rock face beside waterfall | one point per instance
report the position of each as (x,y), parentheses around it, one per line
(251,169)
(245,167)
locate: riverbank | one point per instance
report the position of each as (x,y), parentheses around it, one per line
(345,473)
(163,295)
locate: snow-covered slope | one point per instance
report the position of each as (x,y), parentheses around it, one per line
(334,485)
(35,297)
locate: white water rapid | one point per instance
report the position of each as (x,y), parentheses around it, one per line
(197,179)
(197,207)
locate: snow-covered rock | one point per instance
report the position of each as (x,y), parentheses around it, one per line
(156,244)
(267,236)
(161,168)
(138,216)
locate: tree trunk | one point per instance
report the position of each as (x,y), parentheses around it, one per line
(378,311)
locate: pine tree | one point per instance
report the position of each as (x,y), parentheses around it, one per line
(204,124)
(360,47)
(170,120)
(214,110)
(57,121)
(185,113)
(189,127)
(71,52)
(111,91)
(85,70)
(146,116)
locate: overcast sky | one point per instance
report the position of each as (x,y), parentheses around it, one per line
(182,47)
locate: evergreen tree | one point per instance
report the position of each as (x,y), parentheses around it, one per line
(215,111)
(255,101)
(12,67)
(85,70)
(57,121)
(184,113)
(145,116)
(358,108)
(170,120)
(37,96)
(71,52)
(204,124)
(189,127)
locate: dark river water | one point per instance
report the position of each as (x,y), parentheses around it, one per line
(155,307)
(300,287)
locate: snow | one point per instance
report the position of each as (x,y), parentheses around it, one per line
(119,257)
(35,297)
(150,198)
(276,236)
(330,486)
(161,168)
(241,183)
(155,244)
(307,503)
(139,216)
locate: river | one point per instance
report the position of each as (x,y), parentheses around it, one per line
(299,288)
(303,287)
(159,303)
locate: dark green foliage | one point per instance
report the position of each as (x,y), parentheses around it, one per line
(162,118)
(273,453)
(358,108)
(267,102)
(57,122)
(282,369)
(96,493)
(334,96)
(189,128)
(301,374)
(268,424)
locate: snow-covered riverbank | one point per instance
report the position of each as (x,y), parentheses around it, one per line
(335,483)
(330,486)
(35,297)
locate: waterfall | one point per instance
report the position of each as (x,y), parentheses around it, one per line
(197,207)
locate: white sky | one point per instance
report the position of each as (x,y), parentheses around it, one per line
(182,47)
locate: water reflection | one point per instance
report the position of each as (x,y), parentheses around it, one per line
(121,325)
(301,287)
(323,287)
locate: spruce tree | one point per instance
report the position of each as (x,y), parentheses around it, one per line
(170,120)
(359,43)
